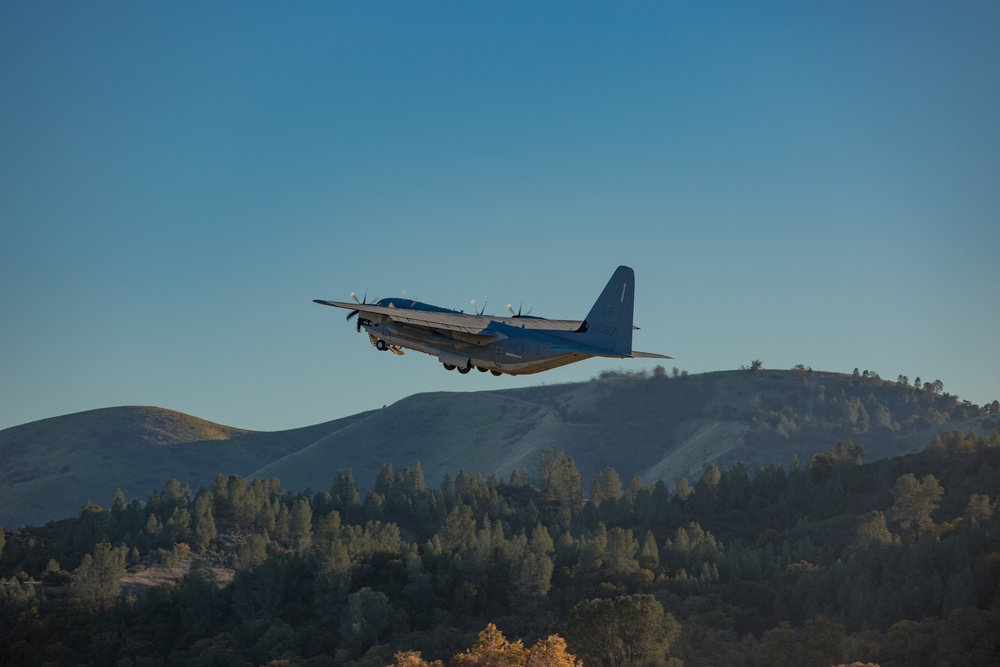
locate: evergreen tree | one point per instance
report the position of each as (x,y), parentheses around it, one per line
(531,577)
(872,530)
(17,597)
(519,477)
(619,556)
(413,480)
(458,528)
(633,487)
(979,509)
(117,501)
(203,529)
(607,486)
(252,552)
(818,644)
(96,583)
(914,501)
(300,524)
(711,476)
(366,620)
(622,632)
(649,554)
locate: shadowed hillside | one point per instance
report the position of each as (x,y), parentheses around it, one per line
(656,427)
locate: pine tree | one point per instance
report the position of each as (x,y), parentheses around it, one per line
(300,524)
(649,554)
(97,581)
(203,529)
(622,632)
(914,502)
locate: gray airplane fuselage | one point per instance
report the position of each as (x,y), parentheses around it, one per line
(513,345)
(516,349)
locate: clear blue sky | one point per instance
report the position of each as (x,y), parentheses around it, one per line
(813,183)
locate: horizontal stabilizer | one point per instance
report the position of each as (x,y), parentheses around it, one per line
(649,355)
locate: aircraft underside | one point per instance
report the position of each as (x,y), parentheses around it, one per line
(498,358)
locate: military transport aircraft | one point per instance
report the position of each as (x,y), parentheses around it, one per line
(515,345)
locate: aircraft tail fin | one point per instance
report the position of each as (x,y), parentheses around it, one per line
(609,324)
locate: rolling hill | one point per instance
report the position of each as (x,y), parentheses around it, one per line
(655,427)
(50,468)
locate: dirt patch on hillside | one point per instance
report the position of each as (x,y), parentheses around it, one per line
(160,576)
(698,442)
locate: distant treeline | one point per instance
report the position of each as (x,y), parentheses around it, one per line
(828,562)
(858,403)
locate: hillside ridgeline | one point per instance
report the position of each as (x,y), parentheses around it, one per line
(656,427)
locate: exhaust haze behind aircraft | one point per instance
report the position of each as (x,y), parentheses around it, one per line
(515,345)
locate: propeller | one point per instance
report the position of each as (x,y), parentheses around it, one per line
(481,310)
(364,301)
(519,309)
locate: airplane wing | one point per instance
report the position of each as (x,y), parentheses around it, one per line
(471,324)
(479,325)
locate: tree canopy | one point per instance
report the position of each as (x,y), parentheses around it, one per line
(841,561)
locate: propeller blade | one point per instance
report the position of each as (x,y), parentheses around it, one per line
(354,313)
(364,299)
(519,309)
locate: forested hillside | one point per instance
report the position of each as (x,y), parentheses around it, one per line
(821,563)
(660,426)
